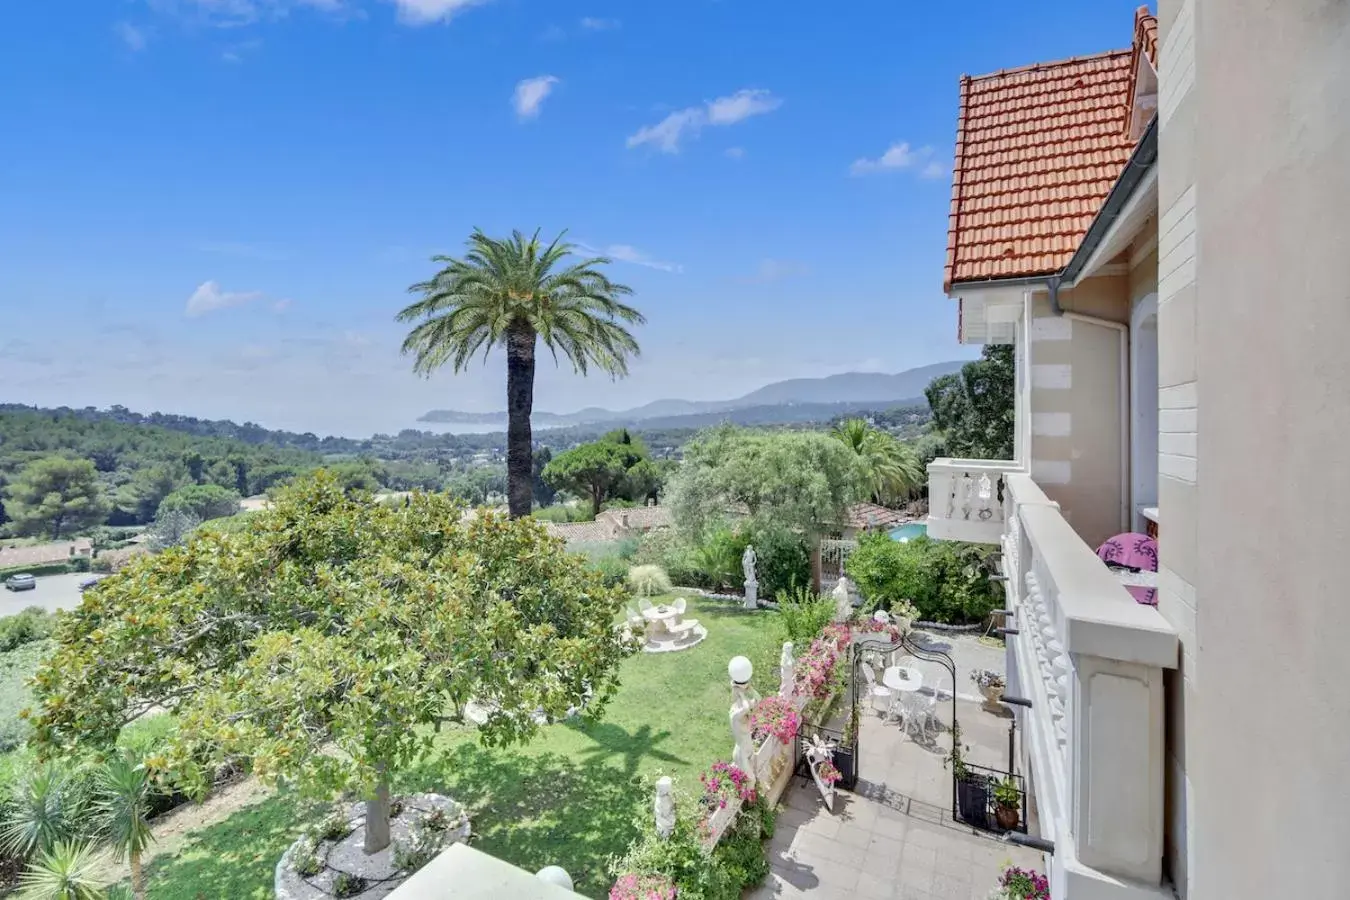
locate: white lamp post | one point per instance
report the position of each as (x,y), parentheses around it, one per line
(741,670)
(555,875)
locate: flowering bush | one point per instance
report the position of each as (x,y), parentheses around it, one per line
(724,781)
(775,716)
(632,886)
(816,669)
(985,678)
(1021,884)
(872,626)
(828,772)
(840,634)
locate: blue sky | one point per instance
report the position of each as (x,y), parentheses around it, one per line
(213,207)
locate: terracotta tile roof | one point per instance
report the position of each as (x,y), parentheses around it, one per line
(1037,151)
(870,515)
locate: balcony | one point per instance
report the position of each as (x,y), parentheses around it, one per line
(1090,661)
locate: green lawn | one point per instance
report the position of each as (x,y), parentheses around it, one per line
(571,797)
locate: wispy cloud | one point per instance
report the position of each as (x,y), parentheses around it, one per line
(629,254)
(280,306)
(590,23)
(425,12)
(901,157)
(236,13)
(772,270)
(242,249)
(531,94)
(683,124)
(209,297)
(134,38)
(734,153)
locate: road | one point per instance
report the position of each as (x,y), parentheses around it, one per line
(52,592)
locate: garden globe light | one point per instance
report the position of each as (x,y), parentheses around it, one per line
(555,875)
(740,670)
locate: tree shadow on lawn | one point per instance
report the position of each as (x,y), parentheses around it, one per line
(540,809)
(614,741)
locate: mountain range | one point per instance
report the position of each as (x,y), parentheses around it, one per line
(838,392)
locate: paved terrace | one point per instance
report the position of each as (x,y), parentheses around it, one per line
(895,836)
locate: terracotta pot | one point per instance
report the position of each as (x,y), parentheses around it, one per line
(1006,817)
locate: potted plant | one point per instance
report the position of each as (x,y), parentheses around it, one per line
(846,754)
(972,789)
(991,685)
(1007,802)
(903,615)
(1021,884)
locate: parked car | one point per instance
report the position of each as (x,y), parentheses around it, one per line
(21,582)
(90,582)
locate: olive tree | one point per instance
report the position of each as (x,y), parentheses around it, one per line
(326,643)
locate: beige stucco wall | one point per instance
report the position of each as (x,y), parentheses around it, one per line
(1075,406)
(1254,318)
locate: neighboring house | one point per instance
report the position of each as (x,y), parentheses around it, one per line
(1152,226)
(612,525)
(45,554)
(865,517)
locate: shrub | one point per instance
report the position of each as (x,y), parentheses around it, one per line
(804,615)
(665,548)
(648,581)
(947,581)
(782,560)
(24,627)
(16,667)
(718,559)
(560,514)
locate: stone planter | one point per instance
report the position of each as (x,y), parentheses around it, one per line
(993,693)
(343,867)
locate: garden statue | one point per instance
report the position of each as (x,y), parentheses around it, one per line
(787,671)
(743,700)
(748,560)
(843,599)
(664,807)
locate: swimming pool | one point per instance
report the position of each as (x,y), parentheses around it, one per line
(909,530)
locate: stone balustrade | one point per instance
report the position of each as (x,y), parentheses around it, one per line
(1091,661)
(967,499)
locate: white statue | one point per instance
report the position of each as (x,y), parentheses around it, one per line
(664,807)
(843,599)
(743,699)
(787,672)
(748,560)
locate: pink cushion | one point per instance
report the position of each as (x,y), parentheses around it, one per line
(1138,551)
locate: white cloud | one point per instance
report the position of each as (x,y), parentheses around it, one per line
(667,134)
(280,306)
(530,95)
(135,38)
(234,13)
(734,153)
(208,297)
(424,12)
(589,23)
(629,254)
(900,157)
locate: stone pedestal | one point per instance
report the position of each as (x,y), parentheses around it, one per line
(752,595)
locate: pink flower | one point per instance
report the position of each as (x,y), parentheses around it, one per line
(632,886)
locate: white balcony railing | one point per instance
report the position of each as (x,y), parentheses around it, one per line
(966,499)
(1091,660)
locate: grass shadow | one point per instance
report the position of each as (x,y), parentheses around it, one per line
(613,741)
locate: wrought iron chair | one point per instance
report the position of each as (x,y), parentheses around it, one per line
(878,693)
(923,705)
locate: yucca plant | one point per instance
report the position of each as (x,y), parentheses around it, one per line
(122,812)
(40,813)
(68,870)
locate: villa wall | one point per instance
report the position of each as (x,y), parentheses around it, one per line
(1261,528)
(1075,405)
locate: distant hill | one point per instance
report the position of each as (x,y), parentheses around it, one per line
(827,397)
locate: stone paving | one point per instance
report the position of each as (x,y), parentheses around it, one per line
(894,838)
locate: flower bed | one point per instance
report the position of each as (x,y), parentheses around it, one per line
(724,782)
(1021,884)
(775,716)
(633,886)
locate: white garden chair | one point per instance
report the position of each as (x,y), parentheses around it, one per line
(644,604)
(878,693)
(922,708)
(679,606)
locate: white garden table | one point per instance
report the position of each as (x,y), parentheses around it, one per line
(902,679)
(661,617)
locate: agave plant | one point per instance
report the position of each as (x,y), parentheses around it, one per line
(68,870)
(122,809)
(42,812)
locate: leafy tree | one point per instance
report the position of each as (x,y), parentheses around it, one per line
(642,481)
(172,528)
(544,494)
(122,812)
(592,470)
(151,485)
(974,410)
(222,473)
(56,495)
(892,469)
(518,292)
(326,642)
(205,501)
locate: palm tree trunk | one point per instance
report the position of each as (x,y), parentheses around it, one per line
(137,884)
(519,404)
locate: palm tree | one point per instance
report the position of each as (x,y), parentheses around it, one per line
(892,470)
(122,804)
(42,813)
(517,292)
(66,871)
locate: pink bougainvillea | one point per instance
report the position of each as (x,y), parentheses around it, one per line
(633,886)
(724,781)
(816,667)
(1023,884)
(775,716)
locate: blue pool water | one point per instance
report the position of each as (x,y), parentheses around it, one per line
(909,530)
